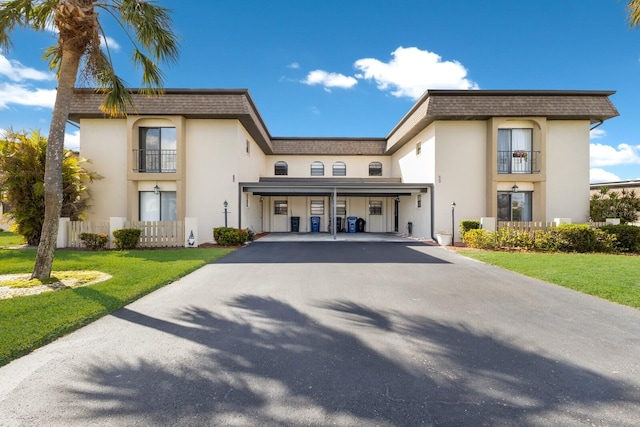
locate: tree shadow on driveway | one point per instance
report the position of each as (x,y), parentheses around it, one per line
(267,363)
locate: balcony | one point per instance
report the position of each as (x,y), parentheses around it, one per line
(154,161)
(518,161)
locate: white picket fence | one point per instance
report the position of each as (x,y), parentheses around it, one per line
(76,228)
(159,234)
(536,225)
(155,234)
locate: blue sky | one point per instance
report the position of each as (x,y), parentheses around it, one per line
(354,68)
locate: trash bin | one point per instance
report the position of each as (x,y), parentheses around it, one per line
(360,225)
(338,224)
(351,224)
(295,224)
(410,227)
(315,224)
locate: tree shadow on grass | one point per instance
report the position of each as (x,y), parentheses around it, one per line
(270,364)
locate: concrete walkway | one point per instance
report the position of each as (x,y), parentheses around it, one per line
(340,333)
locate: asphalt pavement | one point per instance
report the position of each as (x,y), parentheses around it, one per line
(347,333)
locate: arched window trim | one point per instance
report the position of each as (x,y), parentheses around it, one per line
(375,169)
(317,168)
(339,169)
(280,168)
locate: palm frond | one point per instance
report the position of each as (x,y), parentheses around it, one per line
(117,98)
(152,75)
(633,13)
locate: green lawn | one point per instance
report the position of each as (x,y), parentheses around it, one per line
(31,321)
(10,239)
(612,277)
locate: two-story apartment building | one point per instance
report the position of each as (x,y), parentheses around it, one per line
(513,155)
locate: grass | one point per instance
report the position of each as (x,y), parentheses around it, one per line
(29,322)
(612,277)
(10,239)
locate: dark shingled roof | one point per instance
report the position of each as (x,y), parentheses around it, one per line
(594,106)
(329,146)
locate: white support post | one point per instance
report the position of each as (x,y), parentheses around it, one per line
(191,232)
(488,223)
(63,226)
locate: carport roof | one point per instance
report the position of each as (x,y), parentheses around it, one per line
(343,187)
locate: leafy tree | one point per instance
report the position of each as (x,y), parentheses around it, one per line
(22,166)
(612,204)
(77,23)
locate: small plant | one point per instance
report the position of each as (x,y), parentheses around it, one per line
(480,239)
(126,238)
(227,236)
(521,154)
(469,224)
(94,241)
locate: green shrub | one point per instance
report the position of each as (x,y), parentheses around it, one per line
(126,238)
(627,236)
(480,239)
(94,241)
(581,238)
(227,236)
(514,239)
(469,224)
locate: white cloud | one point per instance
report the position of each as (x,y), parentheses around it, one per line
(329,80)
(601,175)
(17,72)
(294,66)
(411,71)
(110,42)
(606,155)
(23,95)
(72,140)
(597,134)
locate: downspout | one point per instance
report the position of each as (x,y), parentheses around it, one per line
(432,203)
(597,124)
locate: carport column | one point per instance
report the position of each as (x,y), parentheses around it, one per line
(334,208)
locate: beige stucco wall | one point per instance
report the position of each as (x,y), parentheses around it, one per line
(568,170)
(251,165)
(300,166)
(104,143)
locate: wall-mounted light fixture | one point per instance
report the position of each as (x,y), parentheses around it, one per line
(515,188)
(156,189)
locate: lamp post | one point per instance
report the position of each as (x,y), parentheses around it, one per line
(225,204)
(453,223)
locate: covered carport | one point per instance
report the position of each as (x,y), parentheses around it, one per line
(392,191)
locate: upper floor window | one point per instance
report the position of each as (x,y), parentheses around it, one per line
(281,168)
(375,169)
(248,146)
(317,169)
(339,169)
(156,150)
(515,153)
(419,201)
(418,148)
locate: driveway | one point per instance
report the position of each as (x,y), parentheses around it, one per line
(394,333)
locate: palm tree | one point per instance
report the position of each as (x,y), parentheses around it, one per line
(77,23)
(633,13)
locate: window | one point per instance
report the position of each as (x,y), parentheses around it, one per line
(280,207)
(157,149)
(375,207)
(514,206)
(339,169)
(158,207)
(418,148)
(375,169)
(248,147)
(514,150)
(341,207)
(419,201)
(317,169)
(281,168)
(317,207)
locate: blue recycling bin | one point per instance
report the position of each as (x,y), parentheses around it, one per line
(351,224)
(315,224)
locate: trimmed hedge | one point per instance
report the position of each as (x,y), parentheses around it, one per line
(468,224)
(563,238)
(227,236)
(126,238)
(94,241)
(627,236)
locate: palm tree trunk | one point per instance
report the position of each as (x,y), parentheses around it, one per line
(53,168)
